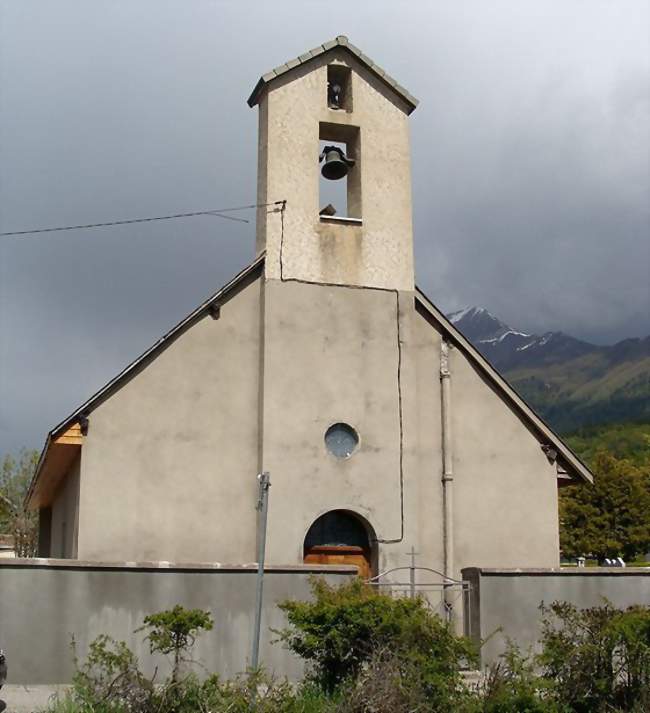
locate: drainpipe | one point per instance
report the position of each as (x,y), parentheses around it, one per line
(447,474)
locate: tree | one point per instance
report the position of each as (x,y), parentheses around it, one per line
(174,631)
(610,518)
(15,477)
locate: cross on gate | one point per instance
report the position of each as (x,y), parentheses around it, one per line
(412,555)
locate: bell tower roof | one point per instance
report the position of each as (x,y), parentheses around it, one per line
(341,41)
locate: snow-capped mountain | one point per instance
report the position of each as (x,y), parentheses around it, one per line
(508,348)
(569,382)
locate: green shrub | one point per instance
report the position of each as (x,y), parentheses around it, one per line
(109,680)
(389,683)
(512,686)
(370,653)
(344,629)
(597,659)
(174,631)
(246,694)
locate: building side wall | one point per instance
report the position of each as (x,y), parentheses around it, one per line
(379,253)
(64,520)
(505,489)
(170,460)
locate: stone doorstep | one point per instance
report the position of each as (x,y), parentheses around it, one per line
(28,699)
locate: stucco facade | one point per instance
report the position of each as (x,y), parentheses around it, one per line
(325,327)
(169,464)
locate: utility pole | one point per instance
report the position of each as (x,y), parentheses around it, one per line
(264,480)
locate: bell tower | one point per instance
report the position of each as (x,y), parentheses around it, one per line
(334,118)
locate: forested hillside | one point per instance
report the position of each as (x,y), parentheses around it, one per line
(624,441)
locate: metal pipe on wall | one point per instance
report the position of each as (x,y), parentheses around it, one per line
(264,480)
(447,473)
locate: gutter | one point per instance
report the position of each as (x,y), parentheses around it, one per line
(447,475)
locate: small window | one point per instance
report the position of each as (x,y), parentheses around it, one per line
(341,440)
(339,87)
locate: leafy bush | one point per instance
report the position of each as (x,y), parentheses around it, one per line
(174,632)
(389,683)
(245,694)
(598,659)
(346,632)
(370,653)
(512,686)
(109,680)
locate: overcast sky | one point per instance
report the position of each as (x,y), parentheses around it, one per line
(530,167)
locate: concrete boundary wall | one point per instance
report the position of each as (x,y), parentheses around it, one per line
(509,599)
(46,602)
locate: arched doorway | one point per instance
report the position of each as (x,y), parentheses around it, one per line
(341,537)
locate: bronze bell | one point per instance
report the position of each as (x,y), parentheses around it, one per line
(336,163)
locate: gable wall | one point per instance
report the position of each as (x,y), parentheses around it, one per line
(330,356)
(169,464)
(505,490)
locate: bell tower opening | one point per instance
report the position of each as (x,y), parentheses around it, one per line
(339,87)
(333,191)
(342,537)
(339,162)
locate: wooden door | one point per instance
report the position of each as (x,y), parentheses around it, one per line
(340,554)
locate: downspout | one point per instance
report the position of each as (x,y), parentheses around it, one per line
(447,476)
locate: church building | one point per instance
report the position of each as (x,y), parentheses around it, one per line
(321,363)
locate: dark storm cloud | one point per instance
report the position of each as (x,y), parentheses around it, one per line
(530,168)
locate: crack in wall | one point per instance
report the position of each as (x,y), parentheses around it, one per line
(399,363)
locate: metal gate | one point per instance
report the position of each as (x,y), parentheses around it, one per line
(443,594)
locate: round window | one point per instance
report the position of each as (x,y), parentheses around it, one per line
(341,440)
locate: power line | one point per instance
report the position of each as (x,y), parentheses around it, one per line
(217,212)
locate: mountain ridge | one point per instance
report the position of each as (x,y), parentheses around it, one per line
(570,382)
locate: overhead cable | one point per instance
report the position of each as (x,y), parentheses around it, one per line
(217,212)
